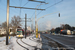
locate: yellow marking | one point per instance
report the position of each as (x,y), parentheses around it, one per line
(9,37)
(19,35)
(36,32)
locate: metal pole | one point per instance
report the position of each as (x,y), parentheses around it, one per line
(32,25)
(7,30)
(35,21)
(36,28)
(25,24)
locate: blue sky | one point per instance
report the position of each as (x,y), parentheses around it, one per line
(66,8)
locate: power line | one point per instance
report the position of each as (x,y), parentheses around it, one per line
(54,4)
(25,8)
(37,1)
(50,6)
(14,11)
(5,10)
(39,13)
(47,7)
(32,14)
(14,2)
(25,3)
(20,8)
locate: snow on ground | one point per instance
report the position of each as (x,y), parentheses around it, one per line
(13,45)
(32,42)
(27,40)
(2,38)
(3,45)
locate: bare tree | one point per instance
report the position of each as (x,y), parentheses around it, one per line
(15,21)
(4,25)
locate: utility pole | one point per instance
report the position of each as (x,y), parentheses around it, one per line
(7,30)
(25,24)
(31,26)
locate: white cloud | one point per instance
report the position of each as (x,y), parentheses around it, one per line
(48,25)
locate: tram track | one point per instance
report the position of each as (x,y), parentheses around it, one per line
(35,47)
(27,44)
(38,41)
(31,45)
(32,40)
(21,45)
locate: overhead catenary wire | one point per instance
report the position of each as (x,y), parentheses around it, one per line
(50,6)
(39,13)
(34,12)
(54,4)
(17,4)
(2,8)
(20,8)
(25,3)
(5,9)
(14,2)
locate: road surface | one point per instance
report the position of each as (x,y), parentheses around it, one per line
(64,40)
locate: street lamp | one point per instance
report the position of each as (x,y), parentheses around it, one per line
(47,15)
(36,27)
(44,16)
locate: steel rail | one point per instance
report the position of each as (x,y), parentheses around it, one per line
(21,45)
(30,45)
(37,41)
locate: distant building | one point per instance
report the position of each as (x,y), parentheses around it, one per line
(2,31)
(28,28)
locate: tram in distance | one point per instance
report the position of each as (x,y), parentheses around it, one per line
(20,32)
